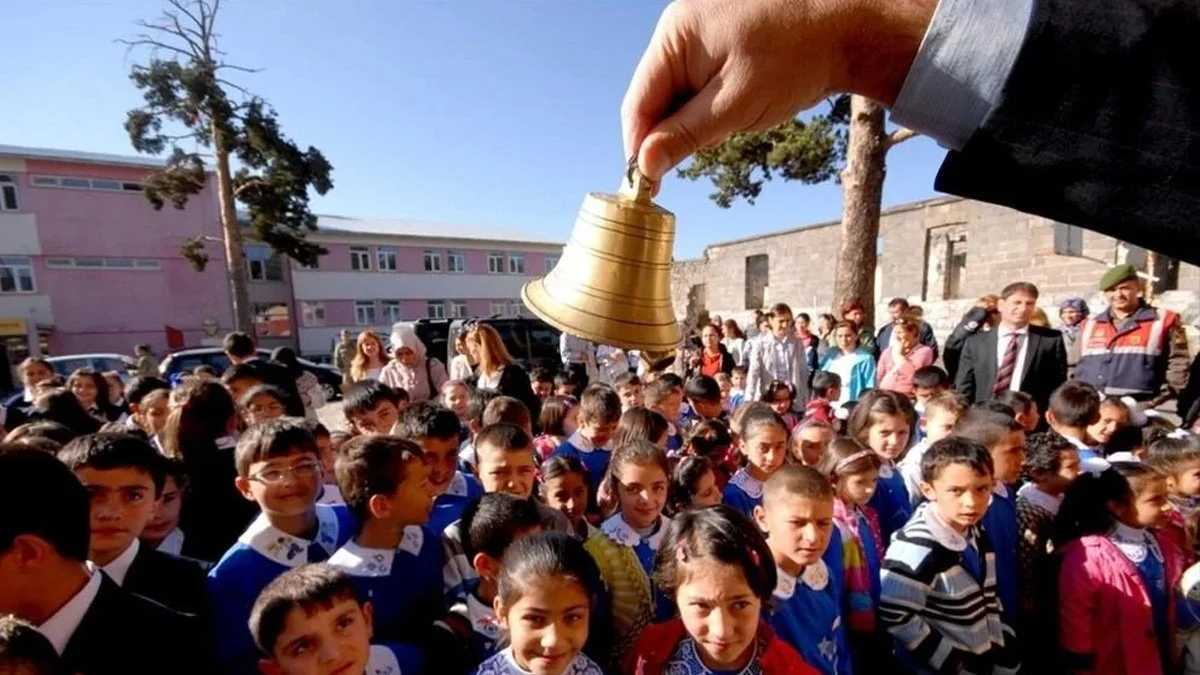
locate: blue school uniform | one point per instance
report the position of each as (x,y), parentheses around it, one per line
(487,637)
(645,548)
(449,505)
(394,659)
(261,554)
(1140,547)
(890,501)
(743,492)
(504,664)
(594,459)
(807,615)
(403,584)
(1000,523)
(674,439)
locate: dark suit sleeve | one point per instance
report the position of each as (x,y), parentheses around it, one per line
(1096,124)
(928,339)
(1059,356)
(964,382)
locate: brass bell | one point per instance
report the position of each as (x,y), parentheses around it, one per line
(612,284)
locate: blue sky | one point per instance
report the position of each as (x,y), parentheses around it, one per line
(481,112)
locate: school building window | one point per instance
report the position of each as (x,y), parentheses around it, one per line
(551,261)
(495,263)
(104,263)
(263,264)
(16,275)
(433,261)
(386,256)
(516,263)
(435,309)
(364,313)
(516,308)
(312,313)
(391,311)
(458,309)
(8,193)
(497,308)
(455,261)
(1068,239)
(360,258)
(272,319)
(73,183)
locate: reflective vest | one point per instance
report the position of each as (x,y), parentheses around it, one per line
(1132,361)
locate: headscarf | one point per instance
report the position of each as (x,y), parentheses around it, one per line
(1079,305)
(414,379)
(403,335)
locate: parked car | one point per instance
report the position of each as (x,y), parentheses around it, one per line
(68,363)
(180,363)
(532,342)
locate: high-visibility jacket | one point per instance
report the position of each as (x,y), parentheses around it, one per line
(1131,360)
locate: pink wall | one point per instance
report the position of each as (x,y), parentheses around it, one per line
(476,261)
(479,307)
(339,312)
(411,259)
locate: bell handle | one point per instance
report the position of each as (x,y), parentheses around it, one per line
(635,185)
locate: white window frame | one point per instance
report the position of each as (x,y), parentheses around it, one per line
(360,258)
(392,311)
(364,313)
(498,308)
(90,263)
(431,261)
(458,309)
(495,263)
(263,255)
(312,314)
(13,264)
(516,263)
(435,309)
(551,261)
(79,183)
(516,308)
(9,199)
(386,259)
(456,262)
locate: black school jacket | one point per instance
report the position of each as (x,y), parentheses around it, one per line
(177,583)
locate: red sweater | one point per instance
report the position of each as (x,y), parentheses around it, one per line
(657,643)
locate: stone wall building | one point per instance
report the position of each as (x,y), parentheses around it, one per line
(939,253)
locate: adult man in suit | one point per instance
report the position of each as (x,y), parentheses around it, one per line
(1016,355)
(241,350)
(1113,153)
(777,355)
(96,626)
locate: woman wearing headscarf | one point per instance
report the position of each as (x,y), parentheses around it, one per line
(307,384)
(1073,313)
(411,369)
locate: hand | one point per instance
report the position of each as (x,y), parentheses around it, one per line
(717,67)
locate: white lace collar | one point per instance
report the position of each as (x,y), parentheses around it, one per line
(226,442)
(944,534)
(815,576)
(886,467)
(382,661)
(286,549)
(457,486)
(505,664)
(1032,494)
(1135,543)
(618,530)
(483,618)
(582,443)
(747,483)
(1000,489)
(359,561)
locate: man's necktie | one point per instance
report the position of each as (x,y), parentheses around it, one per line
(1004,375)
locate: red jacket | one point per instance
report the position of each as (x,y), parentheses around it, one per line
(657,643)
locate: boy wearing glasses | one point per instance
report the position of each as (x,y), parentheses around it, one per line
(279,468)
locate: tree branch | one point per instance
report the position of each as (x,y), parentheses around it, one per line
(253,182)
(899,136)
(241,69)
(144,40)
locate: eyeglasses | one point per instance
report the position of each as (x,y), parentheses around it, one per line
(275,476)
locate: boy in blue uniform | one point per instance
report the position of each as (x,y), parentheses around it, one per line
(311,619)
(665,397)
(599,413)
(372,407)
(797,516)
(394,560)
(435,429)
(124,476)
(1004,438)
(278,467)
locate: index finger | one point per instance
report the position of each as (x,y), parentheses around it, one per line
(652,89)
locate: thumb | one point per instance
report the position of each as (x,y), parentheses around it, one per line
(703,121)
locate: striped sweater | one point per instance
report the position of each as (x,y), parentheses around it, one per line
(941,615)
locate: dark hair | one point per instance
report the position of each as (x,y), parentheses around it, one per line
(240,371)
(39,443)
(491,522)
(987,427)
(286,357)
(554,414)
(108,451)
(719,533)
(955,450)
(710,439)
(506,409)
(702,388)
(239,344)
(779,309)
(930,377)
(1019,401)
(898,302)
(25,650)
(994,406)
(425,419)
(102,403)
(318,430)
(503,435)
(877,403)
(264,390)
(834,462)
(563,378)
(672,380)
(658,390)
(804,316)
(541,375)
(61,406)
(309,588)
(478,402)
(140,386)
(1125,439)
(949,401)
(372,465)
(273,438)
(627,379)
(202,417)
(636,453)
(41,429)
(1084,509)
(682,489)
(599,403)
(363,396)
(40,496)
(755,420)
(640,424)
(1172,454)
(1019,287)
(1043,452)
(797,480)
(739,370)
(775,388)
(824,382)
(546,556)
(561,465)
(1075,404)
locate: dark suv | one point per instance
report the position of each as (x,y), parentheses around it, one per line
(532,342)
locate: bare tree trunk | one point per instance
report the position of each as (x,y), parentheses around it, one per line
(862,194)
(235,259)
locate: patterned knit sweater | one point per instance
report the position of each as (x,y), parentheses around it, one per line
(629,590)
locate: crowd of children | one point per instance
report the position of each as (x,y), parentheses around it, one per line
(655,527)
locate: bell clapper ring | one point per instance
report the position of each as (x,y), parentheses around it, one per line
(636,185)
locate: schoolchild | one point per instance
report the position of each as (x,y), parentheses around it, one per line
(372,407)
(599,414)
(762,443)
(1073,407)
(565,487)
(25,651)
(882,421)
(693,485)
(435,429)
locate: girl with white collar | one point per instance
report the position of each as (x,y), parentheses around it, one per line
(1116,586)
